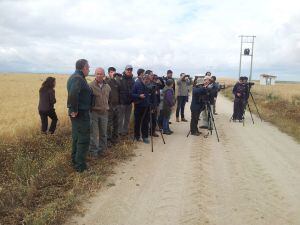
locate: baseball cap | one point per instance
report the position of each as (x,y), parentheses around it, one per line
(128,67)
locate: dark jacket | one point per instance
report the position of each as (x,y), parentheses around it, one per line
(197,98)
(168,101)
(241,89)
(138,89)
(126,85)
(47,100)
(114,98)
(79,93)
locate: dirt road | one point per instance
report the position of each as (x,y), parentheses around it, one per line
(251,177)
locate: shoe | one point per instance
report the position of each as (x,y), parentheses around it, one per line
(171,131)
(177,119)
(183,120)
(138,139)
(240,121)
(195,134)
(203,127)
(167,132)
(155,135)
(216,114)
(146,140)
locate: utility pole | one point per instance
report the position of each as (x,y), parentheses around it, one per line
(246,39)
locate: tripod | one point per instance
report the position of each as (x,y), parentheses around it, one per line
(151,129)
(211,121)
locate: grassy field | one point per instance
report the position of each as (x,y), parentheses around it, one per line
(37,182)
(278,104)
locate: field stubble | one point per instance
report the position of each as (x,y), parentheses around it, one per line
(37,182)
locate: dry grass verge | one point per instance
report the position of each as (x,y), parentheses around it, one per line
(37,183)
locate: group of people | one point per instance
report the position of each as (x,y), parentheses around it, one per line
(100,111)
(241,94)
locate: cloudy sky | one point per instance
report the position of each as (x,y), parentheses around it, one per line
(185,36)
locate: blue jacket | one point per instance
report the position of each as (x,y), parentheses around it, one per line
(197,103)
(138,89)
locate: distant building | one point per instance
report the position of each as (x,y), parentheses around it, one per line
(266,79)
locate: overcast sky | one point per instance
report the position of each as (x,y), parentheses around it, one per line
(185,36)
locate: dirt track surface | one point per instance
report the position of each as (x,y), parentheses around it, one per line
(252,176)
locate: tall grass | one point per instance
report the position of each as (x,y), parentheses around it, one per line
(37,182)
(278,104)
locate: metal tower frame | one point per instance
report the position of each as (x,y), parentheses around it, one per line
(246,39)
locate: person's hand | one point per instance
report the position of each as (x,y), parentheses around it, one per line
(238,94)
(73,114)
(142,96)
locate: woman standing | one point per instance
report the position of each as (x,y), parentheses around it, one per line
(46,105)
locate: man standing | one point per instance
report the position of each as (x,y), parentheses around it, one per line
(240,92)
(183,84)
(214,89)
(99,113)
(170,77)
(79,104)
(140,96)
(126,85)
(114,101)
(197,105)
(204,113)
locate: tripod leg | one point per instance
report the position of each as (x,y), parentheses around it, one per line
(151,137)
(255,106)
(250,113)
(213,122)
(188,134)
(162,136)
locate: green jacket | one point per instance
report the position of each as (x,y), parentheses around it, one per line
(79,93)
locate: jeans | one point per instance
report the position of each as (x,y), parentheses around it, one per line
(124,118)
(80,139)
(166,127)
(98,141)
(44,119)
(181,100)
(141,122)
(113,124)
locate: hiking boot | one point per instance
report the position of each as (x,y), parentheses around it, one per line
(167,132)
(183,120)
(195,133)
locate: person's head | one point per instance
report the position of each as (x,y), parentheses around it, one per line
(208,73)
(213,79)
(146,79)
(111,72)
(169,82)
(169,74)
(150,74)
(83,66)
(140,73)
(128,70)
(206,80)
(241,79)
(99,74)
(49,83)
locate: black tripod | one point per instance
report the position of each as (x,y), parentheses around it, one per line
(211,121)
(151,129)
